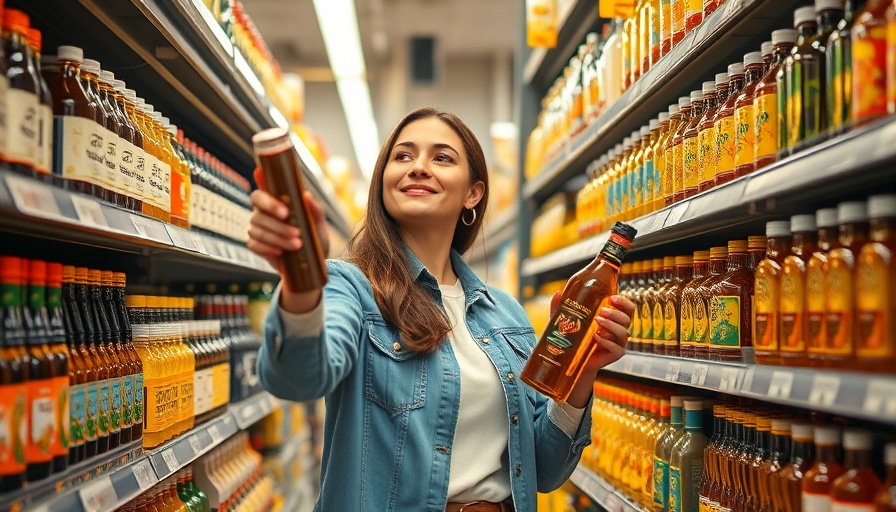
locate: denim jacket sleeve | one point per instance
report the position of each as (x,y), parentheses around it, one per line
(307,368)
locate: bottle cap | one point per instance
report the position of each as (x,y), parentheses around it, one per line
(668,261)
(802,431)
(81,275)
(701,255)
(735,69)
(120,278)
(106,277)
(91,66)
(657,264)
(717,253)
(890,454)
(683,261)
(784,35)
(135,301)
(118,85)
(777,228)
(826,218)
(677,401)
(664,116)
(781,426)
(757,242)
(674,109)
(35,39)
(803,15)
(722,78)
(624,230)
(131,95)
(767,48)
(654,124)
(636,137)
(37,271)
(54,274)
(857,440)
(693,405)
(637,266)
(696,96)
(708,87)
(16,20)
(752,58)
(827,435)
(626,143)
(852,211)
(611,155)
(882,206)
(619,148)
(802,223)
(683,102)
(68,273)
(645,130)
(11,269)
(763,423)
(827,5)
(71,53)
(107,77)
(736,246)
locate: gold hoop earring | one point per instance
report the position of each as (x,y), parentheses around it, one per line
(462,219)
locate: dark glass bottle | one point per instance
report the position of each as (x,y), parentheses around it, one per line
(22,100)
(61,362)
(74,329)
(731,307)
(718,262)
(42,403)
(13,373)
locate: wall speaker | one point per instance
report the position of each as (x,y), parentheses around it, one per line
(423,60)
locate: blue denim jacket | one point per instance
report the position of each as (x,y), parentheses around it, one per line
(391,414)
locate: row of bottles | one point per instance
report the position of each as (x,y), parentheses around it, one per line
(800,296)
(232,477)
(72,382)
(231,311)
(679,453)
(177,493)
(186,362)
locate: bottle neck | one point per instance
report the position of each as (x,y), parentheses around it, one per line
(853,233)
(857,459)
(717,266)
(777,247)
(891,475)
(826,237)
(684,273)
(693,421)
(828,453)
(803,243)
(805,31)
(780,446)
(754,72)
(828,19)
(676,416)
(881,229)
(764,441)
(803,450)
(736,85)
(698,107)
(700,269)
(736,261)
(782,50)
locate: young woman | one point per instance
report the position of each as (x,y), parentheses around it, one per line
(418,358)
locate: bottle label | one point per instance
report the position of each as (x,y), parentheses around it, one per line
(724,321)
(111,159)
(678,7)
(691,163)
(61,418)
(79,149)
(872,300)
(199,397)
(44,161)
(635,329)
(104,407)
(635,186)
(659,324)
(838,315)
(677,166)
(664,167)
(816,502)
(159,183)
(650,181)
(843,506)
(13,428)
(869,86)
(22,118)
(139,399)
(815,305)
(837,89)
(793,310)
(186,394)
(77,414)
(707,140)
(625,191)
(161,404)
(93,412)
(744,138)
(687,321)
(42,409)
(674,489)
(647,474)
(115,405)
(725,145)
(570,318)
(660,483)
(127,401)
(701,321)
(4,113)
(765,132)
(222,384)
(126,168)
(670,321)
(646,322)
(179,203)
(765,301)
(141,176)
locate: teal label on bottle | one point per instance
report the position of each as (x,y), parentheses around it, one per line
(637,186)
(651,179)
(127,406)
(115,410)
(725,321)
(138,399)
(93,407)
(660,483)
(104,408)
(674,490)
(77,413)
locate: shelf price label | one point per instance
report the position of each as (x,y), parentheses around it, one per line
(144,474)
(747,384)
(195,444)
(673,369)
(98,495)
(628,365)
(89,212)
(780,385)
(32,198)
(825,389)
(730,376)
(698,375)
(215,434)
(170,460)
(880,398)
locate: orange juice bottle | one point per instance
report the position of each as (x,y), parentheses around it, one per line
(677,145)
(767,293)
(725,129)
(706,136)
(765,102)
(793,326)
(646,179)
(666,160)
(875,289)
(651,175)
(710,135)
(869,62)
(816,288)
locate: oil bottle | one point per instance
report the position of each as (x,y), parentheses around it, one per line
(768,97)
(794,328)
(875,288)
(767,298)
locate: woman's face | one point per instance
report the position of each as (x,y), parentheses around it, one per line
(427,176)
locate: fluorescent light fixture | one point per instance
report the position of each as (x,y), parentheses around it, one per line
(339,26)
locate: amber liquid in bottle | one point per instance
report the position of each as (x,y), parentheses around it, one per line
(22,100)
(654,270)
(816,289)
(666,273)
(802,457)
(731,307)
(840,322)
(13,372)
(885,501)
(771,500)
(725,127)
(706,139)
(77,368)
(560,355)
(818,479)
(745,118)
(684,269)
(61,362)
(838,70)
(876,289)
(118,368)
(855,490)
(676,151)
(718,263)
(765,108)
(43,163)
(869,59)
(664,155)
(767,297)
(94,375)
(687,304)
(710,458)
(793,325)
(691,147)
(304,269)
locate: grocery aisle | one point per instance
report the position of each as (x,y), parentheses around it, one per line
(746,143)
(132,309)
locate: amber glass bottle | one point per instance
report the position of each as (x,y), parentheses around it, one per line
(769,501)
(708,135)
(856,489)
(559,358)
(802,457)
(648,344)
(22,99)
(744,116)
(869,60)
(767,297)
(840,321)
(690,147)
(875,289)
(689,295)
(710,458)
(676,164)
(659,156)
(816,288)
(74,328)
(684,269)
(793,326)
(667,274)
(768,51)
(731,307)
(43,162)
(636,283)
(718,263)
(14,373)
(668,159)
(766,102)
(42,401)
(725,126)
(818,479)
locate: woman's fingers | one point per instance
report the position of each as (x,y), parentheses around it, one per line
(266,222)
(269,204)
(612,348)
(623,304)
(273,239)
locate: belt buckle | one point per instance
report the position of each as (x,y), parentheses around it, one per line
(465,505)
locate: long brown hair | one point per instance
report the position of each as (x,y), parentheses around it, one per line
(379,250)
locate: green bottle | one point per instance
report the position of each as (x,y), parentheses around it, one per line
(664,443)
(686,461)
(793,80)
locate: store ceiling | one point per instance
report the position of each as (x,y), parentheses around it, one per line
(462,28)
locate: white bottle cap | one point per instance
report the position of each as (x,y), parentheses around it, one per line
(827,435)
(636,137)
(72,53)
(890,454)
(619,149)
(784,35)
(118,85)
(645,130)
(677,400)
(171,129)
(722,78)
(857,440)
(826,218)
(684,102)
(664,116)
(852,211)
(777,228)
(802,431)
(164,120)
(611,155)
(654,124)
(90,66)
(752,58)
(767,48)
(708,87)
(735,69)
(781,425)
(693,405)
(130,94)
(882,206)
(802,223)
(827,5)
(140,102)
(107,77)
(673,109)
(626,143)
(602,161)
(696,96)
(803,15)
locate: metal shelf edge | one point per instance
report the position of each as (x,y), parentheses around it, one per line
(602,492)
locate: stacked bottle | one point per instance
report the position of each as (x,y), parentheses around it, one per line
(232,478)
(177,493)
(231,311)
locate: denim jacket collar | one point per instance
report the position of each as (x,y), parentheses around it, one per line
(472,285)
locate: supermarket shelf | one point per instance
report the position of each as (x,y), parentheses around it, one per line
(545,64)
(858,395)
(33,208)
(719,39)
(177,57)
(850,164)
(105,487)
(602,492)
